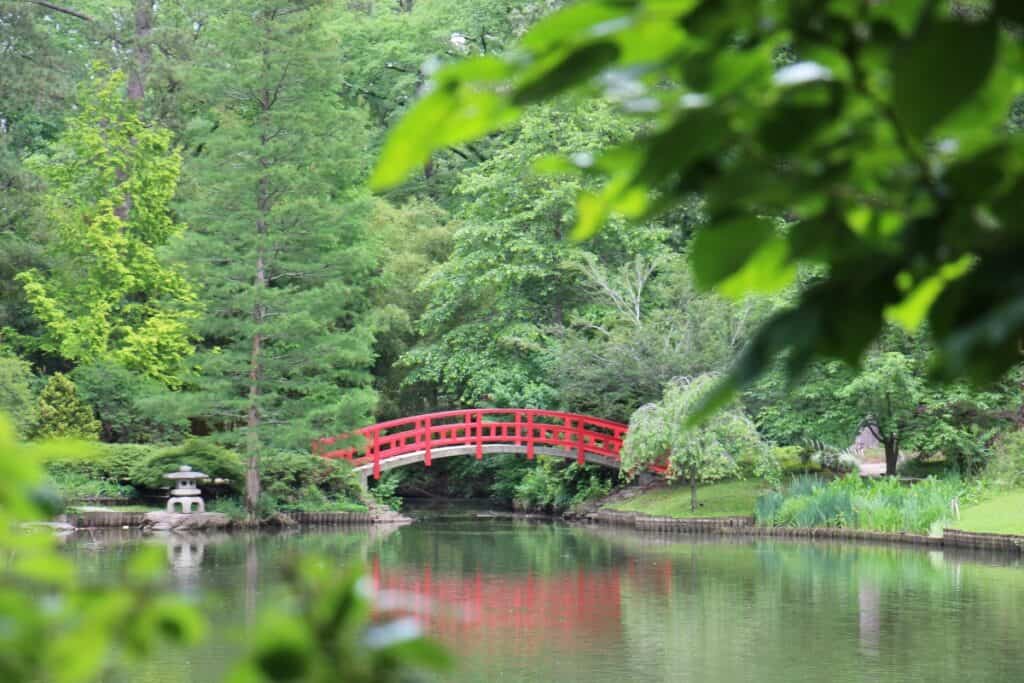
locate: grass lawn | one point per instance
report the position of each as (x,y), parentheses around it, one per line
(1002,514)
(723,499)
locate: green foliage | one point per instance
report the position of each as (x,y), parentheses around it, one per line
(660,431)
(83,630)
(384,490)
(16,396)
(1006,468)
(554,485)
(200,454)
(512,278)
(297,480)
(107,294)
(640,323)
(101,471)
(279,243)
(902,103)
(329,632)
(851,502)
(74,486)
(830,404)
(232,507)
(60,413)
(132,407)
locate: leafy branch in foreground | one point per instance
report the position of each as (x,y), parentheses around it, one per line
(868,138)
(58,627)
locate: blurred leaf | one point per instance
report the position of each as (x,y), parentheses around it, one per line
(564,72)
(939,70)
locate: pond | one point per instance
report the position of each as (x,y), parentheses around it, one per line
(540,601)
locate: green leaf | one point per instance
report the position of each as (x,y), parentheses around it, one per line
(721,249)
(1010,9)
(939,69)
(443,118)
(565,72)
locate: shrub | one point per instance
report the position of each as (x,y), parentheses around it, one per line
(60,413)
(232,507)
(1006,467)
(553,485)
(101,461)
(920,468)
(201,455)
(384,491)
(132,408)
(792,461)
(16,397)
(297,480)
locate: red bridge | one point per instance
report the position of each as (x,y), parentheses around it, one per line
(424,438)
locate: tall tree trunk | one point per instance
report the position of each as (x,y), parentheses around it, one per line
(136,89)
(263,206)
(142,50)
(693,494)
(252,470)
(892,454)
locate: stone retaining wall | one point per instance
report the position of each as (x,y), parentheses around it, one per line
(332,518)
(967,539)
(745,526)
(103,518)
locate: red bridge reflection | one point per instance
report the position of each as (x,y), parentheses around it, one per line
(533,611)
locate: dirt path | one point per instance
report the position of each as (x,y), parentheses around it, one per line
(872,469)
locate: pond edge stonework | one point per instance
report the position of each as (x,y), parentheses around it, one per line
(745,526)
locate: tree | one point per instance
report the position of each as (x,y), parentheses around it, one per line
(60,413)
(131,407)
(659,432)
(642,322)
(512,277)
(107,293)
(877,131)
(886,395)
(279,244)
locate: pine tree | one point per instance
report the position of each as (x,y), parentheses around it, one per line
(278,242)
(60,413)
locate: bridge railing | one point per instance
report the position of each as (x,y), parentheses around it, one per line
(527,428)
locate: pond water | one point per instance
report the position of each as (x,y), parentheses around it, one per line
(538,601)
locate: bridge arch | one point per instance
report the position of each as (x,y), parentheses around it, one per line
(477,432)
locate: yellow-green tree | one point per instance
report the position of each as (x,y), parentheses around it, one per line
(108,292)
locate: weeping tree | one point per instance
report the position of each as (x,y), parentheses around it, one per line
(660,432)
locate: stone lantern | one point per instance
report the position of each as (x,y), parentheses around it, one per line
(185,492)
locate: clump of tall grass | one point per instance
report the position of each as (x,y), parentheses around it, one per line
(853,503)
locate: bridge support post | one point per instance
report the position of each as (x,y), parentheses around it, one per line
(426,441)
(479,435)
(579,441)
(529,436)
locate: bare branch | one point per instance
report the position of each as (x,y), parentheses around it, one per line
(62,10)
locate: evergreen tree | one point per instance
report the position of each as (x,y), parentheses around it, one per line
(107,293)
(61,414)
(278,244)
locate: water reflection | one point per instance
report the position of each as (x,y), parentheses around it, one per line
(538,602)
